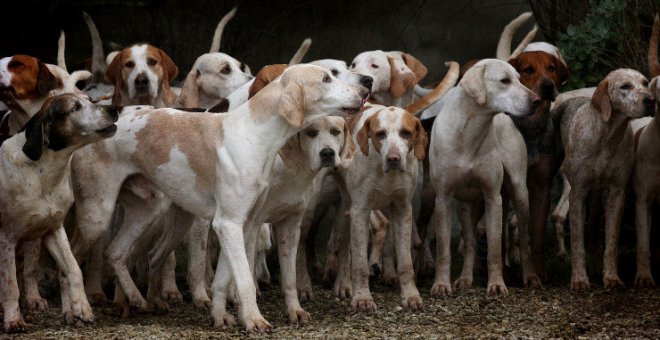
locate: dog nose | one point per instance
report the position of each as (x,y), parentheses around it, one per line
(327,153)
(392,159)
(548,89)
(649,101)
(366,81)
(113,111)
(141,80)
(536,101)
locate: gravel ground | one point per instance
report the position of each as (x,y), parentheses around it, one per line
(548,313)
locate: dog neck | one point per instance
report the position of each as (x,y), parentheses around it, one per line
(467,121)
(52,166)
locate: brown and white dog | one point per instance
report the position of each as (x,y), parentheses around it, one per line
(35,195)
(141,75)
(599,155)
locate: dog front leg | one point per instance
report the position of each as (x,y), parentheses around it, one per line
(441,283)
(493,213)
(169,291)
(78,310)
(379,226)
(402,217)
(579,277)
(33,299)
(287,233)
(468,215)
(197,246)
(614,212)
(342,231)
(9,293)
(362,300)
(643,278)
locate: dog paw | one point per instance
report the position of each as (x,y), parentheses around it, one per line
(497,288)
(645,281)
(97,298)
(123,309)
(305,294)
(79,314)
(343,290)
(463,283)
(16,325)
(202,302)
(172,296)
(532,281)
(36,304)
(257,324)
(299,317)
(224,320)
(440,289)
(578,285)
(613,283)
(363,304)
(413,303)
(159,306)
(139,303)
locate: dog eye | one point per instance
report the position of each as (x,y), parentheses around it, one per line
(625,86)
(226,70)
(552,68)
(77,106)
(327,79)
(334,72)
(645,83)
(129,64)
(381,134)
(529,70)
(152,62)
(405,134)
(353,65)
(312,133)
(505,81)
(335,132)
(15,64)
(374,66)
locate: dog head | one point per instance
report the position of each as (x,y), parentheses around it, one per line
(338,68)
(23,77)
(326,142)
(393,72)
(494,84)
(394,133)
(215,76)
(541,72)
(623,91)
(142,71)
(68,121)
(308,92)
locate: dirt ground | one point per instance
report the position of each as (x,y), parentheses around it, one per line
(552,312)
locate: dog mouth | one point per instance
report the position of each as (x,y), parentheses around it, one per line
(107,131)
(354,110)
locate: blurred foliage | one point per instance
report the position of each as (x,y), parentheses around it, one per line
(598,36)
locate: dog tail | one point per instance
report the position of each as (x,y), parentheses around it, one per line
(448,82)
(217,36)
(76,76)
(504,45)
(654,65)
(61,44)
(302,50)
(98,59)
(523,44)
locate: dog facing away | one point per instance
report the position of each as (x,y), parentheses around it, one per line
(599,155)
(35,195)
(468,164)
(215,163)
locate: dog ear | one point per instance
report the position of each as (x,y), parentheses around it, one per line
(266,75)
(363,136)
(474,84)
(402,78)
(601,100)
(421,141)
(348,148)
(36,130)
(171,71)
(46,81)
(415,66)
(653,86)
(114,76)
(291,152)
(292,105)
(562,71)
(189,96)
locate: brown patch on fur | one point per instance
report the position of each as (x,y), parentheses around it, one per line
(419,140)
(537,67)
(467,65)
(31,78)
(265,76)
(190,133)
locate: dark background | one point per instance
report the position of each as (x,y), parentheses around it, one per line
(265,32)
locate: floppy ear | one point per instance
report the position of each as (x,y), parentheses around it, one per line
(474,84)
(291,152)
(46,81)
(653,86)
(292,105)
(35,135)
(114,76)
(189,96)
(348,148)
(266,75)
(363,136)
(601,100)
(562,71)
(415,66)
(421,141)
(402,78)
(171,71)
